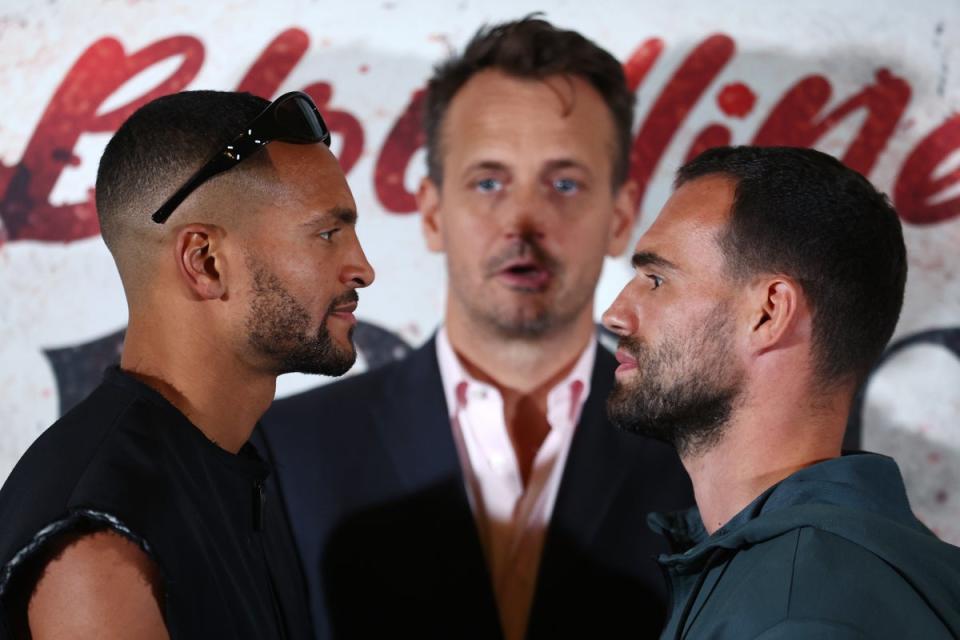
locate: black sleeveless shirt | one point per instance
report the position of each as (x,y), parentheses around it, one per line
(128,460)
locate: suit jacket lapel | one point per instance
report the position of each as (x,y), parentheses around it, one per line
(414,425)
(596,465)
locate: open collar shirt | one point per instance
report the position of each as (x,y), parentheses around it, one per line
(511,519)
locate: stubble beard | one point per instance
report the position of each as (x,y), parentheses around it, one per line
(278,327)
(683,392)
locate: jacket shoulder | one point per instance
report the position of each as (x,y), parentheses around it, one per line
(837,581)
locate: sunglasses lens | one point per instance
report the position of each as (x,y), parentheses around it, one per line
(298,121)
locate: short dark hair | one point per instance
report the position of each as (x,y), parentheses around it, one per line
(162,143)
(535,49)
(804,214)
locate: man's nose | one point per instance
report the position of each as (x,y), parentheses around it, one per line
(527,213)
(621,317)
(357,271)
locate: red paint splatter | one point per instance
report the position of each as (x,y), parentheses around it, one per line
(364,68)
(941,496)
(934,457)
(736,100)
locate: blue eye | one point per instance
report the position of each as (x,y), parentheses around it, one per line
(657,280)
(488,185)
(566,186)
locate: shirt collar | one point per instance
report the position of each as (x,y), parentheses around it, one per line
(567,396)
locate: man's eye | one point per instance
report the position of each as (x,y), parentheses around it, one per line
(657,280)
(327,235)
(488,185)
(566,186)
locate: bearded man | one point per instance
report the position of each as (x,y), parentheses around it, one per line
(142,512)
(764,293)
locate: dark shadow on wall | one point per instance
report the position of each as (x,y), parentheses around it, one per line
(948,337)
(79,369)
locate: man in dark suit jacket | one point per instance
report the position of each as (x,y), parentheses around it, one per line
(475,489)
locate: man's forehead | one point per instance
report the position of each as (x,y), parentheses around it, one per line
(693,215)
(498,111)
(701,202)
(309,172)
(315,159)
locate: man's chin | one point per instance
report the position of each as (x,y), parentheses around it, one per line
(528,320)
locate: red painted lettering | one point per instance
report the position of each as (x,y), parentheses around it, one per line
(102,69)
(915,190)
(276,62)
(793,120)
(342,123)
(401,144)
(674,104)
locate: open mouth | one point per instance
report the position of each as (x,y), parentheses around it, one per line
(525,274)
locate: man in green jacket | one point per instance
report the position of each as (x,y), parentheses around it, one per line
(763,295)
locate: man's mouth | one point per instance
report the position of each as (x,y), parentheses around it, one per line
(526,274)
(344,311)
(627,362)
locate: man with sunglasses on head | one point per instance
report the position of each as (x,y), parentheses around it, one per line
(142,512)
(479,490)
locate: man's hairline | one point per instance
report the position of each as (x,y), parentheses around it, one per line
(440,154)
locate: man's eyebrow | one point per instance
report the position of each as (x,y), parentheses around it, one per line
(650,259)
(566,163)
(345,215)
(342,215)
(486,165)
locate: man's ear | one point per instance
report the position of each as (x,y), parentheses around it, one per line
(201,260)
(428,201)
(625,211)
(777,304)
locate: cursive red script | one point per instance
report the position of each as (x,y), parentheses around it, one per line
(799,117)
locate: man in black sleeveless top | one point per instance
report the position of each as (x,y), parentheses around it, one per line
(141,513)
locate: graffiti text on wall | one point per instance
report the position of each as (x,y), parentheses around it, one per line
(798,118)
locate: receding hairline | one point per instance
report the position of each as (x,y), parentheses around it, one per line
(566,102)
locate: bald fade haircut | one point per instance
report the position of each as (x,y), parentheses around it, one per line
(156,150)
(534,49)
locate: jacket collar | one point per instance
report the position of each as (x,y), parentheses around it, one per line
(863,482)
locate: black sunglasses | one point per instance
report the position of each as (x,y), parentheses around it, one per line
(293,117)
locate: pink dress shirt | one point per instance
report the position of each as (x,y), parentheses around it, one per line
(511,520)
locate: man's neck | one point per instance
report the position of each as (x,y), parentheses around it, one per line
(524,372)
(759,448)
(201,379)
(523,366)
